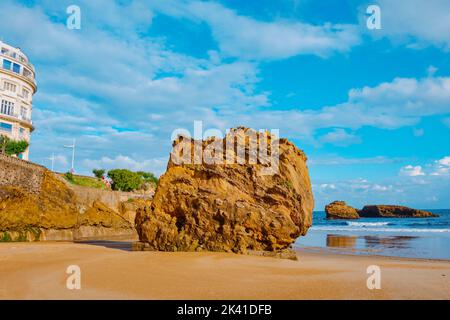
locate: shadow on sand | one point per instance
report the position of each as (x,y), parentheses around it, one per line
(124,245)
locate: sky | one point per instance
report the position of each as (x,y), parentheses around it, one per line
(369,107)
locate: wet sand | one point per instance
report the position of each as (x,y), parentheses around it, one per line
(110,271)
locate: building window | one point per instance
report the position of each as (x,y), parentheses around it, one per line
(7,107)
(16,68)
(25,93)
(7,64)
(22,133)
(8,86)
(23,112)
(27,73)
(6,127)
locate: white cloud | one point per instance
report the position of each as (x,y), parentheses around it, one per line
(415,22)
(124,162)
(336,160)
(340,137)
(442,167)
(445,161)
(248,38)
(389,105)
(61,160)
(381,188)
(328,186)
(126,93)
(411,171)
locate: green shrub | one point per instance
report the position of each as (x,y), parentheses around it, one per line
(98,173)
(148,177)
(69,176)
(12,147)
(125,180)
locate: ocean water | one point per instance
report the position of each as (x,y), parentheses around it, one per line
(427,238)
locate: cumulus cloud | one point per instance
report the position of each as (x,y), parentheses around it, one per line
(411,171)
(442,167)
(358,193)
(403,190)
(388,105)
(340,137)
(417,23)
(119,91)
(124,162)
(248,38)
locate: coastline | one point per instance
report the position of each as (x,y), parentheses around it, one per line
(110,271)
(342,252)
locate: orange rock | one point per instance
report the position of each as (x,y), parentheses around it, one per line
(232,207)
(340,210)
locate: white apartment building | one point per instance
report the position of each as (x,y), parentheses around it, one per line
(17,87)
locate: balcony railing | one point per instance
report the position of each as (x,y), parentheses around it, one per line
(18,57)
(28,75)
(19,117)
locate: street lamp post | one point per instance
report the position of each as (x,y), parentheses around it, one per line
(52,158)
(73,155)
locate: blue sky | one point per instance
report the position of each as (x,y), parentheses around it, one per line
(371,108)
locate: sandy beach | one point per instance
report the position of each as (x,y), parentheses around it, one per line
(110,271)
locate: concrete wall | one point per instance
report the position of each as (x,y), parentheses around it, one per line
(23,174)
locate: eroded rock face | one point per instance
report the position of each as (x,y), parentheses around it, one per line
(229,207)
(29,216)
(393,212)
(340,210)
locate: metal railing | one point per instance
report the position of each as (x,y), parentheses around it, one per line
(18,57)
(21,73)
(18,116)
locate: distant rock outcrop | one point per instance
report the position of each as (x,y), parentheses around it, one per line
(391,211)
(340,210)
(229,207)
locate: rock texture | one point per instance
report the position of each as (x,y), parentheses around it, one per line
(50,210)
(229,207)
(387,211)
(340,210)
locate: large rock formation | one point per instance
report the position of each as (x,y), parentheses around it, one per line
(221,206)
(390,211)
(340,210)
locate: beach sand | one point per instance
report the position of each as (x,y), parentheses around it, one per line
(38,271)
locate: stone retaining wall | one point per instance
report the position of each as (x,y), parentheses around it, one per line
(20,173)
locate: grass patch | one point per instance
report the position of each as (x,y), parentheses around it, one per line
(22,235)
(85,181)
(6,237)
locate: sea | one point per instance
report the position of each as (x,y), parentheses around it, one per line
(423,238)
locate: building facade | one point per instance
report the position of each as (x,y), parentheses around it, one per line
(17,87)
